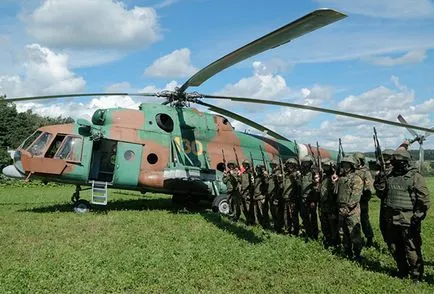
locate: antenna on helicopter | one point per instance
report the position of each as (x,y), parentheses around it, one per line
(417,138)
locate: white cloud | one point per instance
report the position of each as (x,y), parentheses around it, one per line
(176,64)
(165,3)
(45,72)
(385,8)
(414,56)
(92,24)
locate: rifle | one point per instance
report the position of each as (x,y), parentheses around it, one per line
(297,152)
(319,167)
(282,171)
(263,159)
(378,153)
(253,165)
(224,160)
(341,154)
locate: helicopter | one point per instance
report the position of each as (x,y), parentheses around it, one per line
(168,147)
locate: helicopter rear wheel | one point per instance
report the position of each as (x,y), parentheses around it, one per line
(221,205)
(81,206)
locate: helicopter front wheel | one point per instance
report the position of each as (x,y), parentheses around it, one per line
(221,205)
(81,206)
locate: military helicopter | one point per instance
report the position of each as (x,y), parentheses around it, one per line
(170,147)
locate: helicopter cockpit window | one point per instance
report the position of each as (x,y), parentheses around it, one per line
(40,144)
(70,149)
(165,122)
(55,145)
(30,139)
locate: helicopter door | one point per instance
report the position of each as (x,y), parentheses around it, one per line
(128,160)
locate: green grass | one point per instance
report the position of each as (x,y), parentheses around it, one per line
(144,245)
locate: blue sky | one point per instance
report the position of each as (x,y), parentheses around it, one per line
(378,61)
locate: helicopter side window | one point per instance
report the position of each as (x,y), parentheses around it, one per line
(30,139)
(54,146)
(38,147)
(70,149)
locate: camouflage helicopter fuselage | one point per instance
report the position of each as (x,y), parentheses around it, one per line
(162,148)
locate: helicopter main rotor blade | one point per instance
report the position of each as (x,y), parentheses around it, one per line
(403,121)
(76,95)
(318,109)
(242,119)
(306,24)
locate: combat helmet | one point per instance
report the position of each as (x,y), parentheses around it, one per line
(307,158)
(245,162)
(291,160)
(275,161)
(360,157)
(387,153)
(232,162)
(401,154)
(350,159)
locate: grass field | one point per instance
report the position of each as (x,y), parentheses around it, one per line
(143,245)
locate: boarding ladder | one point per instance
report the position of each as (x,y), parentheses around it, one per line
(99,193)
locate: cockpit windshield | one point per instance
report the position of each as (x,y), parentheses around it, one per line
(39,146)
(30,139)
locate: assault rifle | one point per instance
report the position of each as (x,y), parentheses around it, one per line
(297,152)
(253,165)
(263,159)
(341,154)
(378,154)
(224,160)
(319,167)
(236,158)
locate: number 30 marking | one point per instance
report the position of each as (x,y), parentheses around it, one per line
(194,146)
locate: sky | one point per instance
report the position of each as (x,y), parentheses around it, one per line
(379,61)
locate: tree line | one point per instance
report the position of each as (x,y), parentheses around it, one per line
(16,126)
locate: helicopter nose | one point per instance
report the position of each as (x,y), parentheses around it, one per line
(12,172)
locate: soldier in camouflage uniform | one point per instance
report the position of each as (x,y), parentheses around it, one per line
(407,201)
(387,156)
(368,187)
(230,179)
(328,209)
(349,191)
(309,198)
(257,210)
(275,195)
(246,181)
(291,196)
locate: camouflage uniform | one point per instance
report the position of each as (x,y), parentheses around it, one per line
(387,156)
(231,180)
(257,209)
(349,192)
(275,195)
(364,172)
(246,181)
(328,209)
(406,198)
(309,198)
(291,197)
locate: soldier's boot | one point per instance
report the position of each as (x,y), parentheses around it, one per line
(369,242)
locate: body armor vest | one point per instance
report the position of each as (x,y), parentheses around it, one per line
(399,192)
(345,190)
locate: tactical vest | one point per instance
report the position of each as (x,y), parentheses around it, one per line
(399,191)
(345,190)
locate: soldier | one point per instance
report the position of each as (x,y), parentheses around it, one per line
(368,187)
(275,195)
(328,209)
(387,156)
(246,182)
(230,179)
(349,191)
(256,210)
(309,198)
(291,196)
(406,198)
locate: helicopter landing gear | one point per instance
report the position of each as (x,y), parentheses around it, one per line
(80,205)
(220,204)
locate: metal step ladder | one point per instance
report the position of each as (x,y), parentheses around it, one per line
(99,193)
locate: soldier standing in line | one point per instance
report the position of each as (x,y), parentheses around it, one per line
(275,194)
(327,206)
(368,187)
(291,196)
(246,181)
(349,192)
(407,201)
(387,156)
(230,179)
(309,198)
(257,209)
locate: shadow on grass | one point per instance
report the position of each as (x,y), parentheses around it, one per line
(234,228)
(133,205)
